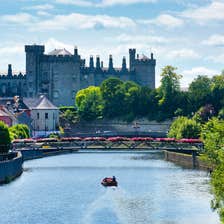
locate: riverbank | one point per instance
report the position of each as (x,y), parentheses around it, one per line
(10,167)
(191,161)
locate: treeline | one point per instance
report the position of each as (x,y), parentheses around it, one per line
(7,134)
(127,100)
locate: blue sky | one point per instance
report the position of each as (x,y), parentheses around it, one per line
(187,34)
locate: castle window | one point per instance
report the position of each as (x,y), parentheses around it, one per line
(56,94)
(46,115)
(38,116)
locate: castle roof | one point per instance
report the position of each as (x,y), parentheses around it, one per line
(143,57)
(57,52)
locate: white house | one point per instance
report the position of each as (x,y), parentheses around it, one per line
(44,115)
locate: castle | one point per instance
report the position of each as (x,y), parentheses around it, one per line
(60,74)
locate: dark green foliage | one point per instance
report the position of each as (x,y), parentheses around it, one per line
(4,138)
(113,93)
(200,92)
(19,131)
(204,114)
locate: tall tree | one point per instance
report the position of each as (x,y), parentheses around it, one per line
(168,91)
(113,93)
(200,92)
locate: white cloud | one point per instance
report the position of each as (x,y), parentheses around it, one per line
(103,3)
(39,7)
(213,11)
(215,40)
(165,20)
(199,71)
(183,53)
(217,58)
(190,75)
(17,18)
(146,39)
(82,21)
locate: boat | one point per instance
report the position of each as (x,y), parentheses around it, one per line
(109,182)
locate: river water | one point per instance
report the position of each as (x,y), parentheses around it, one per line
(66,190)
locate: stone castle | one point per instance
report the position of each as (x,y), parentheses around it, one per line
(60,74)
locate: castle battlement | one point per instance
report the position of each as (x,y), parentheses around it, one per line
(60,74)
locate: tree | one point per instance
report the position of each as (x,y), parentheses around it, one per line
(4,138)
(200,92)
(168,91)
(217,92)
(89,103)
(213,138)
(183,127)
(113,93)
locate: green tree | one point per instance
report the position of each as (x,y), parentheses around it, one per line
(4,138)
(113,93)
(200,92)
(183,127)
(213,138)
(89,103)
(168,91)
(217,92)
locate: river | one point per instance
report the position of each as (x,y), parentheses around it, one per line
(66,189)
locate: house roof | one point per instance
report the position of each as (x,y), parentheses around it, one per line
(41,103)
(3,114)
(58,52)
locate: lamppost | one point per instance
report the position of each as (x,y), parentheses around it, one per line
(136,127)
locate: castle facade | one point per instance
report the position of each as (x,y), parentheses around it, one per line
(61,74)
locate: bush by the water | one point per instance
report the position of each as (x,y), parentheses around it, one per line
(19,131)
(183,127)
(4,138)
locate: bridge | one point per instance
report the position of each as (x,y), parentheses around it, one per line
(134,143)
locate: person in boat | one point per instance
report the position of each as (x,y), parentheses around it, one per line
(114,179)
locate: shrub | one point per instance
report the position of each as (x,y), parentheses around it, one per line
(183,127)
(4,138)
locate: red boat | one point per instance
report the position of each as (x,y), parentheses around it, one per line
(109,182)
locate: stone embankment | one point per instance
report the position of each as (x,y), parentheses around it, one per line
(11,166)
(191,161)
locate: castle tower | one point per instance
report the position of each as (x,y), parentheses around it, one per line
(132,53)
(9,71)
(33,55)
(145,70)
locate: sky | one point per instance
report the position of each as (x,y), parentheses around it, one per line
(187,34)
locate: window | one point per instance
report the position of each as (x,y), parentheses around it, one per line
(46,115)
(38,116)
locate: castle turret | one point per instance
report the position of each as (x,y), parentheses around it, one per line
(91,63)
(132,53)
(98,62)
(124,65)
(111,66)
(9,70)
(76,51)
